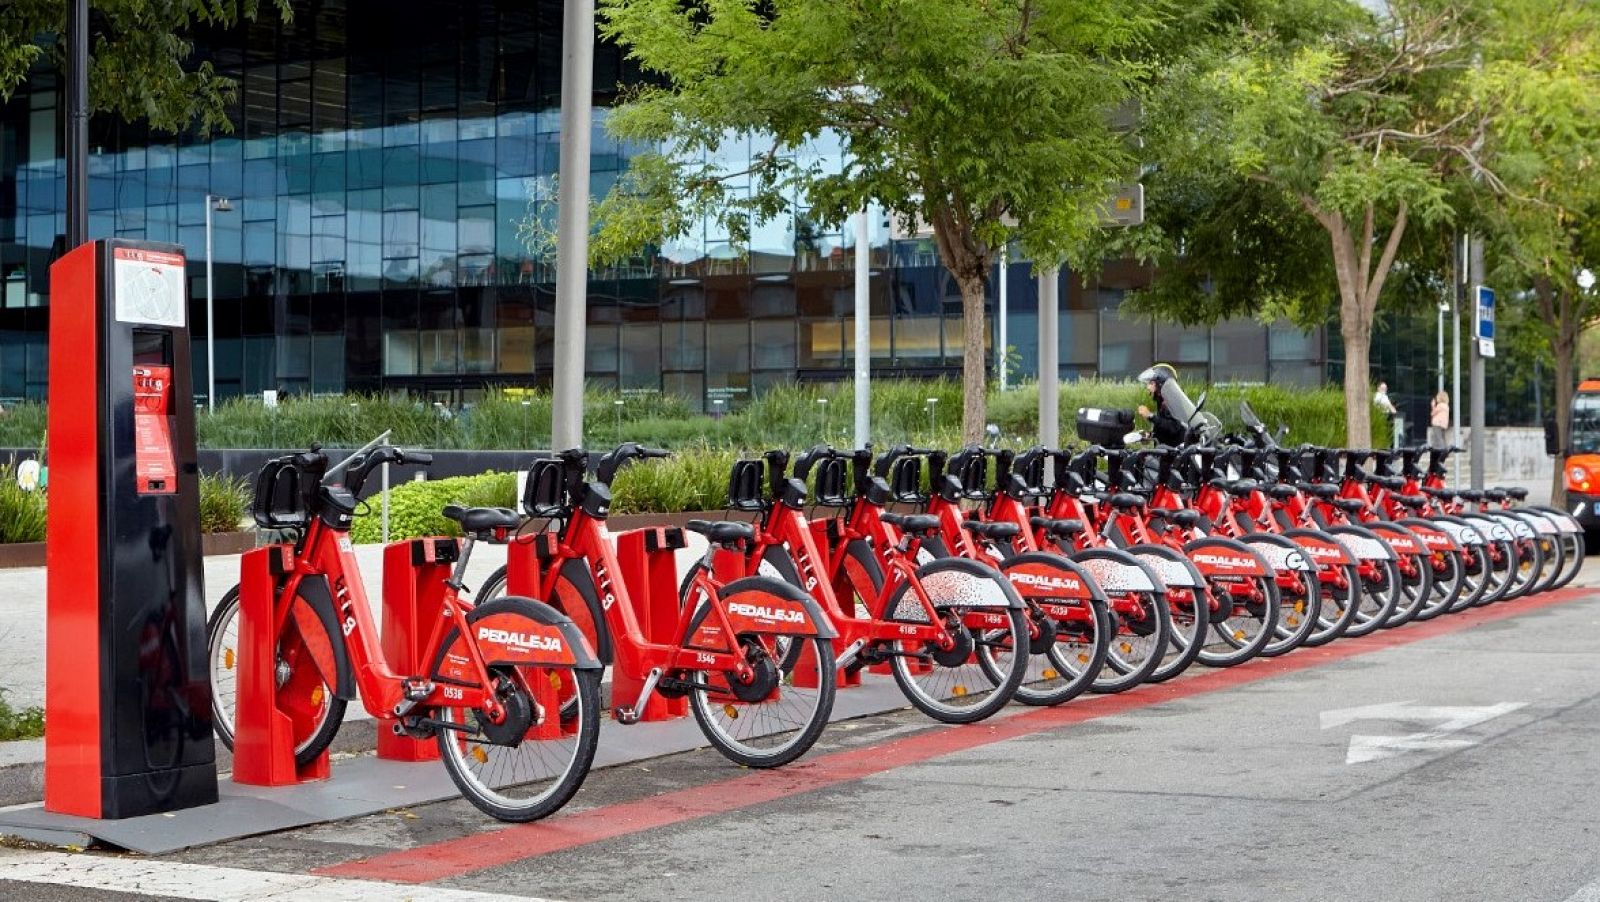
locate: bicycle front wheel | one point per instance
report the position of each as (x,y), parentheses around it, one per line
(535,758)
(303,691)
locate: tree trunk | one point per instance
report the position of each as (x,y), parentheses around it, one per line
(1360,284)
(1560,308)
(1357,372)
(974,377)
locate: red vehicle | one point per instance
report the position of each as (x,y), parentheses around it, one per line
(743,652)
(510,744)
(943,628)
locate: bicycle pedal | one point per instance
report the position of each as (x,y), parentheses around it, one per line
(626,716)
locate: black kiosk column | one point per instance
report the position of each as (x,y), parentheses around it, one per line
(128,705)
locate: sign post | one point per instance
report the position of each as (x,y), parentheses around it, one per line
(1485,317)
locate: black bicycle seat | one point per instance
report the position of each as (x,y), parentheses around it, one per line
(1388,482)
(1186,519)
(1282,492)
(913,523)
(1517,494)
(1470,494)
(1350,505)
(1241,487)
(997,531)
(1445,494)
(1417,501)
(1059,527)
(1320,490)
(482,519)
(723,532)
(1495,494)
(1125,501)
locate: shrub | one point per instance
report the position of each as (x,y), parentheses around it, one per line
(22,513)
(414,507)
(696,479)
(27,723)
(224,502)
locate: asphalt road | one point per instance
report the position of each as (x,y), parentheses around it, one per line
(1453,760)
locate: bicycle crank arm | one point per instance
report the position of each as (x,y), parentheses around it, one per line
(848,656)
(631,716)
(674,685)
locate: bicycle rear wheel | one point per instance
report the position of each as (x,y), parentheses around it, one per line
(532,762)
(1341,602)
(303,691)
(972,601)
(777,715)
(1068,634)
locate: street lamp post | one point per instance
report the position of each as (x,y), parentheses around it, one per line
(220,205)
(931,427)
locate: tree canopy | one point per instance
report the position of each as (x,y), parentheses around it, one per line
(139,52)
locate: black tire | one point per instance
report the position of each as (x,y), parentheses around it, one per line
(1449,579)
(494,586)
(1379,596)
(222,652)
(1297,616)
(1187,620)
(802,739)
(580,708)
(1416,589)
(1074,646)
(1232,643)
(1338,607)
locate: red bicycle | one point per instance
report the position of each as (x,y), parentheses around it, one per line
(745,652)
(512,748)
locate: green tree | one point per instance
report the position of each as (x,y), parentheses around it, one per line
(138,53)
(1545,228)
(987,120)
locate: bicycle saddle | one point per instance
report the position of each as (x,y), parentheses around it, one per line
(1388,482)
(1125,501)
(1350,505)
(1517,494)
(1241,488)
(1417,501)
(723,532)
(921,524)
(1062,527)
(1282,492)
(1445,494)
(991,530)
(1187,519)
(1495,494)
(1320,490)
(482,519)
(1470,494)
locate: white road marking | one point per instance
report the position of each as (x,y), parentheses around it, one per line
(1450,719)
(1589,893)
(197,881)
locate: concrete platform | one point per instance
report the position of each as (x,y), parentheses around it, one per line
(361,785)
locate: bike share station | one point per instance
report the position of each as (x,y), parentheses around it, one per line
(130,755)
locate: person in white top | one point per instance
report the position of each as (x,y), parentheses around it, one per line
(1381,399)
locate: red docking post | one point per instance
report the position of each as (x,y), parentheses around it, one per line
(414,572)
(264,734)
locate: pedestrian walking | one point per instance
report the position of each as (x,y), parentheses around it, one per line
(1438,419)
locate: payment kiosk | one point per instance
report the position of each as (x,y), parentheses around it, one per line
(127,702)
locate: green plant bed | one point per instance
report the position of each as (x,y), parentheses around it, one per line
(19,723)
(415,507)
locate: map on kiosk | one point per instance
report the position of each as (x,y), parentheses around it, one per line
(149,287)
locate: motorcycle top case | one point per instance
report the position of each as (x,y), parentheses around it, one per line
(1104,426)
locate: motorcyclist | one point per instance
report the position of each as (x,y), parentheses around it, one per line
(1170,421)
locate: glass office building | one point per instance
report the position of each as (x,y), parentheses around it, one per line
(377,183)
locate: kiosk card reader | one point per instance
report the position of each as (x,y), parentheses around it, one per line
(127,702)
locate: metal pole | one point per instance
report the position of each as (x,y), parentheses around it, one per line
(1455,376)
(77,123)
(1000,351)
(863,323)
(1441,351)
(385,469)
(572,223)
(1049,351)
(1474,278)
(211,319)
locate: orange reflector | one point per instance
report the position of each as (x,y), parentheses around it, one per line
(958,691)
(316,697)
(731,712)
(1238,634)
(1048,674)
(228,659)
(479,755)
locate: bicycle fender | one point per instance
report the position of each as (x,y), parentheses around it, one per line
(1431,535)
(1541,524)
(1118,571)
(1563,520)
(1173,568)
(521,631)
(1401,540)
(1320,547)
(1045,577)
(1463,532)
(1362,543)
(1495,530)
(969,583)
(1283,554)
(1216,556)
(758,604)
(319,601)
